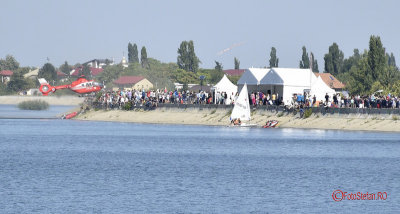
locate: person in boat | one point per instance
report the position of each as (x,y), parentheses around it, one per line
(236,122)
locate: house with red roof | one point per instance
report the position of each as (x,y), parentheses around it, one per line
(132,82)
(5,75)
(331,81)
(61,76)
(234,72)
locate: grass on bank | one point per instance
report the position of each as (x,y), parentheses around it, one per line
(33,105)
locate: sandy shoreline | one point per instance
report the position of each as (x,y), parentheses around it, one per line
(52,100)
(220,117)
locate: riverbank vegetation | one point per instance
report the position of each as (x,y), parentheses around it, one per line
(33,105)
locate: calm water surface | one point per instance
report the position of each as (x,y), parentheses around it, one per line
(63,166)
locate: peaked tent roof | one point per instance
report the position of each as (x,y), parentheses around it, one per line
(289,77)
(320,89)
(252,76)
(225,85)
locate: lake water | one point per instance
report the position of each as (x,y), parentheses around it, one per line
(64,166)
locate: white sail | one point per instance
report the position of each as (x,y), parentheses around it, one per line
(241,110)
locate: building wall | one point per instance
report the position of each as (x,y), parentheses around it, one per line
(143,84)
(5,79)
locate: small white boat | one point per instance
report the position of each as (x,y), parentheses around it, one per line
(241,110)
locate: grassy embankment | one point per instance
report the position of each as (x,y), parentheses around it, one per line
(220,117)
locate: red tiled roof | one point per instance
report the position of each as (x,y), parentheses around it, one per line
(125,80)
(234,72)
(6,73)
(95,71)
(330,80)
(61,74)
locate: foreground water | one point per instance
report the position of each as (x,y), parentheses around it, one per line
(61,166)
(12,111)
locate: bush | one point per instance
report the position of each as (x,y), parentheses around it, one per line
(33,105)
(127,106)
(307,113)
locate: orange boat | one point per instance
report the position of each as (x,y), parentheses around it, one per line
(71,115)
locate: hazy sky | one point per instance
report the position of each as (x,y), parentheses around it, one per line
(81,30)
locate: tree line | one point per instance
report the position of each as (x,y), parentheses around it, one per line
(363,73)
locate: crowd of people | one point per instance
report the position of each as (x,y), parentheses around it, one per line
(151,98)
(340,101)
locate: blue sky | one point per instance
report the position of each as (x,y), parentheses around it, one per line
(81,30)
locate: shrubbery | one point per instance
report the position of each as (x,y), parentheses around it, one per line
(33,105)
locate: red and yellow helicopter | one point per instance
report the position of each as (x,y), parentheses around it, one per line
(80,86)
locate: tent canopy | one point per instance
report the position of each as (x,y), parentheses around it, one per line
(252,76)
(225,85)
(289,77)
(287,81)
(320,89)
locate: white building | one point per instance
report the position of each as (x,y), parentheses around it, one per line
(99,63)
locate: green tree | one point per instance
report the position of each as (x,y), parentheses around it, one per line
(351,61)
(391,60)
(183,76)
(183,56)
(217,74)
(305,61)
(193,59)
(48,72)
(376,57)
(187,58)
(135,56)
(143,58)
(9,63)
(66,69)
(17,83)
(85,71)
(110,73)
(237,63)
(218,66)
(273,61)
(130,52)
(360,81)
(389,75)
(334,60)
(314,63)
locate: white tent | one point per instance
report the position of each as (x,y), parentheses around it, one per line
(287,81)
(252,78)
(320,89)
(225,85)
